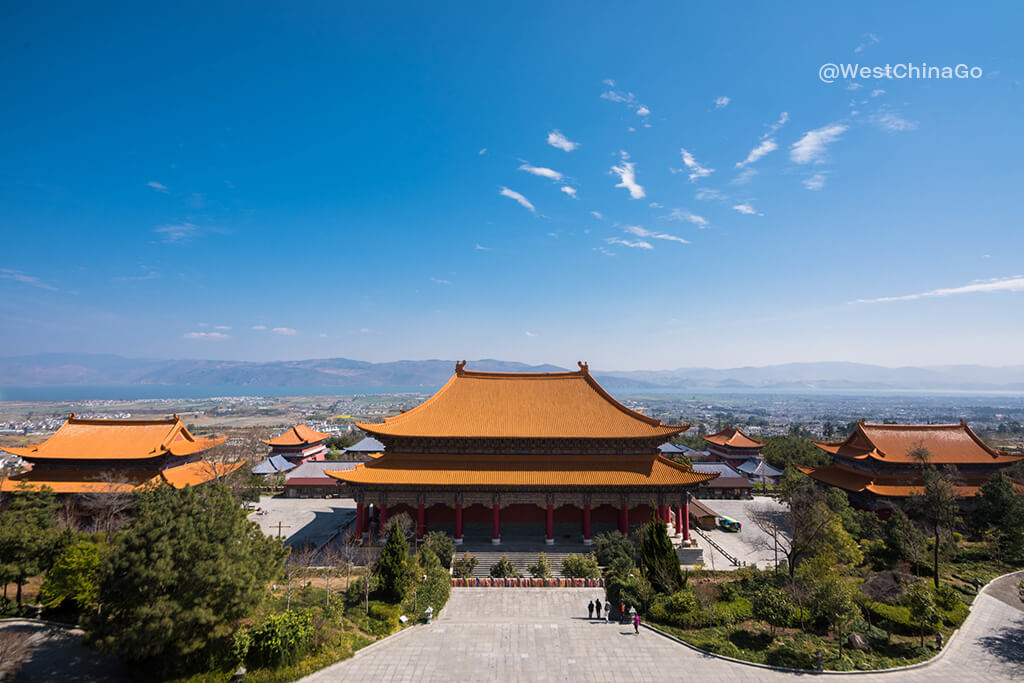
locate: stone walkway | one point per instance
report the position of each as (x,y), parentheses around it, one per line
(538,634)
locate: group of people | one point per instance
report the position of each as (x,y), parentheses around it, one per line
(596,606)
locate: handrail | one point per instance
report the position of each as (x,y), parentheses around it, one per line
(735,561)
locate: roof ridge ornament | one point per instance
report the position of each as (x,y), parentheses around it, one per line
(584,367)
(460,367)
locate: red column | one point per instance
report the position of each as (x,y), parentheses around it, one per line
(458,523)
(359,520)
(382,518)
(686,518)
(624,519)
(496,531)
(421,521)
(679,521)
(586,525)
(550,527)
(662,515)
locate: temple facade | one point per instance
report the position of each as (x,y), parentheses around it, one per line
(734,447)
(523,454)
(116,456)
(877,467)
(298,444)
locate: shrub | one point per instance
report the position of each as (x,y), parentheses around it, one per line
(433,591)
(442,545)
(731,612)
(790,656)
(280,639)
(679,609)
(946,597)
(773,606)
(504,569)
(464,567)
(541,569)
(611,545)
(580,567)
(383,619)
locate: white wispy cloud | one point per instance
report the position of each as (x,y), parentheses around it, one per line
(159,187)
(765,147)
(440,281)
(744,176)
(176,233)
(814,144)
(523,201)
(530,334)
(892,122)
(25,279)
(640,231)
(557,139)
(222,327)
(854,86)
(1007,284)
(215,336)
(628,99)
(869,40)
(746,208)
(549,173)
(876,92)
(774,128)
(604,251)
(571,191)
(627,175)
(482,151)
(815,182)
(684,216)
(721,102)
(258,327)
(643,111)
(598,215)
(286,331)
(696,170)
(709,194)
(633,244)
(481,247)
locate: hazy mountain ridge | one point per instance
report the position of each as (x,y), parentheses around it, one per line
(98,369)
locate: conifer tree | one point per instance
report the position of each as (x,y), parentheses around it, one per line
(393,569)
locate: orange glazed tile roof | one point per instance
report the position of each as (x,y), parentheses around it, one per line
(79,439)
(400,469)
(121,481)
(299,435)
(730,436)
(556,405)
(888,486)
(949,444)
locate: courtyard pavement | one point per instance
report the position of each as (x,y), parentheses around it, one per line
(543,634)
(304,521)
(750,545)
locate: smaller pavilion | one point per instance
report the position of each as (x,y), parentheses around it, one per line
(733,446)
(299,444)
(116,456)
(366,449)
(877,467)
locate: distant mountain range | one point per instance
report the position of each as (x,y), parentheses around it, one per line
(60,369)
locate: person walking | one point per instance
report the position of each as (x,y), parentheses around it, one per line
(622,613)
(607,612)
(597,607)
(636,623)
(590,610)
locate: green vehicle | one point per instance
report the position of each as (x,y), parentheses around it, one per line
(729,524)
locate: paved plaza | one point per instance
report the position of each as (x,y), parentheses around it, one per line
(304,521)
(750,545)
(538,634)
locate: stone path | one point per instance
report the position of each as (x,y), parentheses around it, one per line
(57,655)
(538,634)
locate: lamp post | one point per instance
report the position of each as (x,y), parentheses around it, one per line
(429,612)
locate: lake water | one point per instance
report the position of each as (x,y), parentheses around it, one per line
(156,391)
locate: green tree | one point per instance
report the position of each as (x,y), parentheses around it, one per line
(393,569)
(541,569)
(613,544)
(903,539)
(464,566)
(773,606)
(504,569)
(782,451)
(442,545)
(937,508)
(576,566)
(28,535)
(833,601)
(180,576)
(921,602)
(1000,511)
(659,562)
(74,577)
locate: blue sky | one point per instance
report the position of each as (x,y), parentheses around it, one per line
(283,181)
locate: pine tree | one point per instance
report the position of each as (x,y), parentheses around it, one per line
(180,576)
(393,569)
(659,562)
(28,535)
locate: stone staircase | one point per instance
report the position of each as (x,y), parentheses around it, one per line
(520,557)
